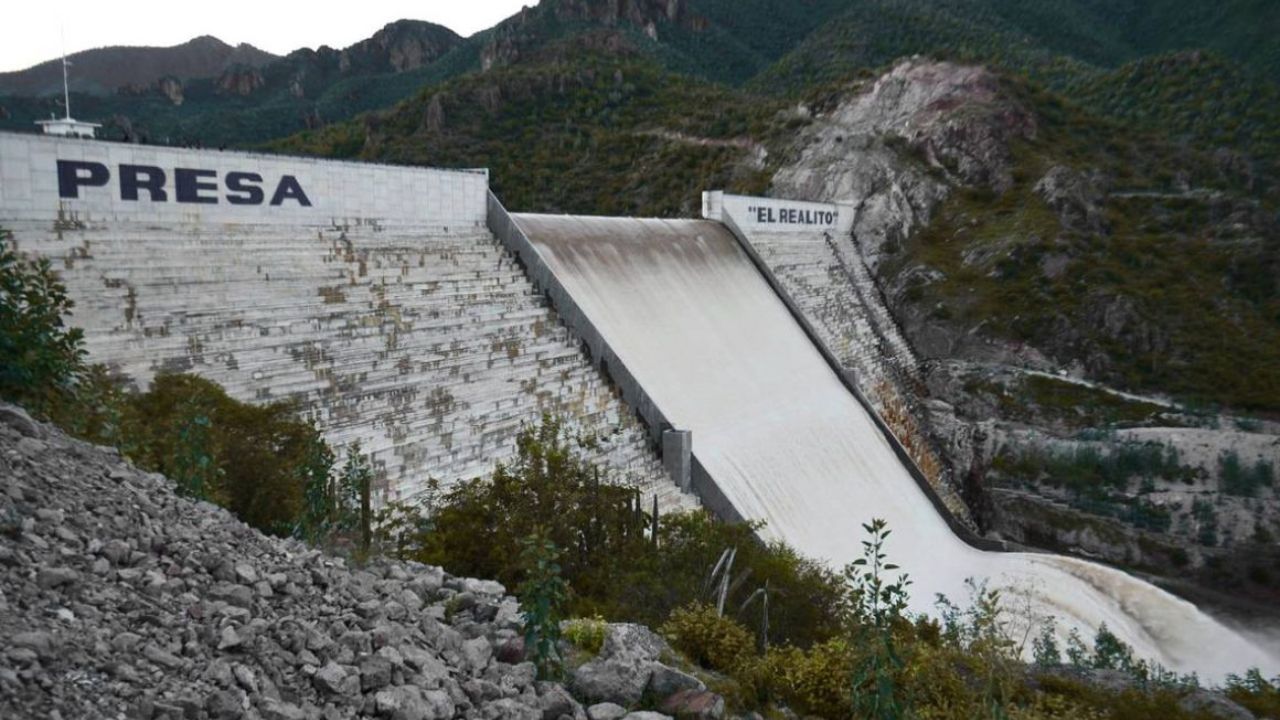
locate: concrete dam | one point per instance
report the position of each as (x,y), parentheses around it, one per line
(407,309)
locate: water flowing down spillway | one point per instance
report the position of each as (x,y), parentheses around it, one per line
(697,325)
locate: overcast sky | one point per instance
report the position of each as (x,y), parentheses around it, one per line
(30,29)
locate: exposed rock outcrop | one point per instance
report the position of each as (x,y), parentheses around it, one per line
(1076,198)
(399,46)
(171,87)
(897,149)
(242,81)
(512,38)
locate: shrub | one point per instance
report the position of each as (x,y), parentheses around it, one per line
(879,604)
(811,682)
(708,638)
(317,518)
(587,633)
(547,486)
(255,460)
(1256,693)
(401,530)
(1044,647)
(1110,653)
(608,554)
(40,358)
(353,508)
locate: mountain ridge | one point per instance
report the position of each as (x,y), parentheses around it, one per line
(100,71)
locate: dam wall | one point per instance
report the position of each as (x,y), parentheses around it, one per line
(374,296)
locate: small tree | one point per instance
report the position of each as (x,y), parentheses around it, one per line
(194,468)
(878,604)
(1044,647)
(354,484)
(316,520)
(542,598)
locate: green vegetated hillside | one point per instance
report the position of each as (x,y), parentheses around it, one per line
(774,47)
(579,131)
(1163,278)
(101,70)
(1097,54)
(1100,34)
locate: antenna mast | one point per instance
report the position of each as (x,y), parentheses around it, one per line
(66,85)
(67,127)
(66,88)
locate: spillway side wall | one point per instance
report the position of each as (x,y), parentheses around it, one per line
(508,232)
(505,228)
(722,213)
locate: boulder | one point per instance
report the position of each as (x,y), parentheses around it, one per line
(332,679)
(611,681)
(667,681)
(606,711)
(694,704)
(18,419)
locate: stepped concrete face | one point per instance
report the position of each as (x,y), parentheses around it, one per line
(375,296)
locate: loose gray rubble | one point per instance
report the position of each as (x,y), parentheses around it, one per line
(120,599)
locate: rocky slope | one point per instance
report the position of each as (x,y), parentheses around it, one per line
(120,599)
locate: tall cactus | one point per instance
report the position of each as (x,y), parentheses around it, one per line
(654,536)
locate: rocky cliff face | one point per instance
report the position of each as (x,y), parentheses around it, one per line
(171,88)
(400,46)
(240,81)
(514,37)
(896,149)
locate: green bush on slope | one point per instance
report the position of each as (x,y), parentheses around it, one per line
(40,358)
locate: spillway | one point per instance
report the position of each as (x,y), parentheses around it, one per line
(697,325)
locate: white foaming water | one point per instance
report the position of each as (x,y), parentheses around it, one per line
(714,347)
